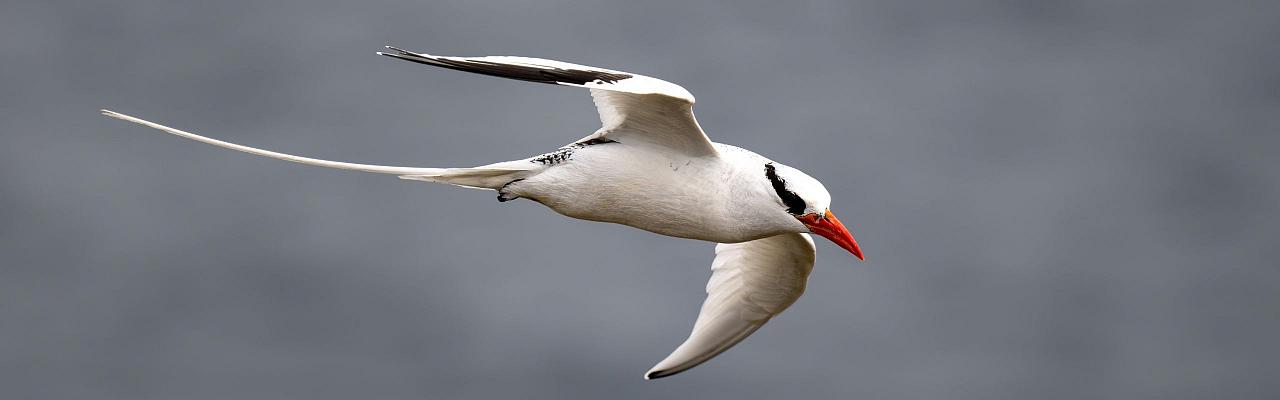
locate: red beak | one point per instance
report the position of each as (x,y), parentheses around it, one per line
(829,227)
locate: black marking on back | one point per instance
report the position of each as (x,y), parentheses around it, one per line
(522,72)
(592,142)
(795,204)
(565,153)
(555,157)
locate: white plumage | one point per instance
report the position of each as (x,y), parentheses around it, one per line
(650,166)
(750,283)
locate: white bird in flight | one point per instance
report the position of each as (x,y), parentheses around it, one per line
(651,167)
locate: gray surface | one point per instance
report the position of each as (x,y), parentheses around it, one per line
(1057,201)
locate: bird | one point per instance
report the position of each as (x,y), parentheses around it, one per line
(650,166)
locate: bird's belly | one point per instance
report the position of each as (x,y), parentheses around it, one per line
(662,200)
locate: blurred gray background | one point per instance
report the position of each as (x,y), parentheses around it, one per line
(1058,200)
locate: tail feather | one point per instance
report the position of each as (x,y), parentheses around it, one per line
(486,177)
(478,178)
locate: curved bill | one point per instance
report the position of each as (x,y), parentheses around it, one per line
(829,227)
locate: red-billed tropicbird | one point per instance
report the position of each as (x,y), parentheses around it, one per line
(651,167)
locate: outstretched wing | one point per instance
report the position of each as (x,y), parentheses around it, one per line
(632,107)
(750,283)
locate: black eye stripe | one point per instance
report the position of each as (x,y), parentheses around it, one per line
(795,204)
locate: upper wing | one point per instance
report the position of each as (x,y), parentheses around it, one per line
(631,106)
(750,283)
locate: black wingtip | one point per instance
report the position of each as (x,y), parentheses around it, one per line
(511,70)
(392,55)
(651,375)
(402,54)
(401,51)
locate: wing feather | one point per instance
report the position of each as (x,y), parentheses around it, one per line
(751,282)
(632,107)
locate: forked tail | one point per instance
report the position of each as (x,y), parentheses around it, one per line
(492,176)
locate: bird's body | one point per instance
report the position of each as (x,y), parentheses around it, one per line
(651,167)
(630,185)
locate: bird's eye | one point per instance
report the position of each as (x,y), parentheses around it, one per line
(795,204)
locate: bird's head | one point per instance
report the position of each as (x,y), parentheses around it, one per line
(809,202)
